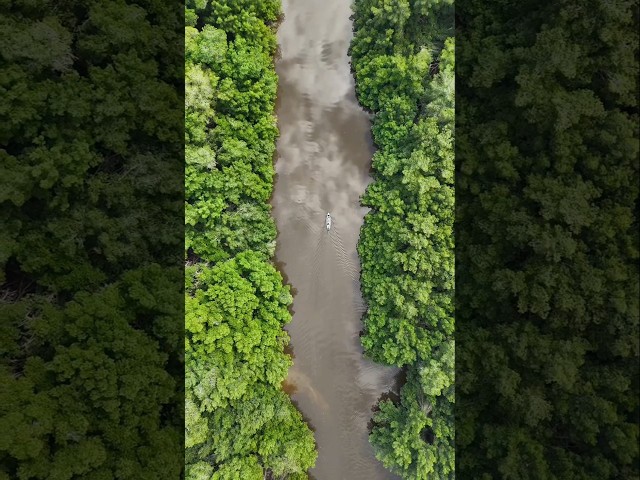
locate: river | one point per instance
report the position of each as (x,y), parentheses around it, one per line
(323,161)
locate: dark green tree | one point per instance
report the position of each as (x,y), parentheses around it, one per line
(91,141)
(547,241)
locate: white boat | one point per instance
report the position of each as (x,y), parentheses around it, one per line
(328,223)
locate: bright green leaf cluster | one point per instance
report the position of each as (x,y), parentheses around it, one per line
(239,423)
(230,136)
(403,59)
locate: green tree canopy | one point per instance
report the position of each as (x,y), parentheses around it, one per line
(403,64)
(548,234)
(239,424)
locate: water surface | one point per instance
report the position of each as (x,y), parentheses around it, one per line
(324,157)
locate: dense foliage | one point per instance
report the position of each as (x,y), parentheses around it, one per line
(547,240)
(403,60)
(90,245)
(239,423)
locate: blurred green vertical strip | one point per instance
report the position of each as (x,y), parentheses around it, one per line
(547,240)
(239,423)
(403,62)
(91,239)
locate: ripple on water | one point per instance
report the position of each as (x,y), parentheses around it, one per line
(324,154)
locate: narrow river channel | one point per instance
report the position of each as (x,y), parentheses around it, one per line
(324,156)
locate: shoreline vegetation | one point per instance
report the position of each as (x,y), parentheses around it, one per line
(240,424)
(403,62)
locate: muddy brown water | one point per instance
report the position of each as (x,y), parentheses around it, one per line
(323,160)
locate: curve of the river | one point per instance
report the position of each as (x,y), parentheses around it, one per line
(324,156)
